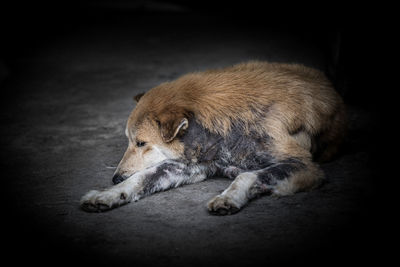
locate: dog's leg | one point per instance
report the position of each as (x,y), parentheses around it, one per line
(282,178)
(235,196)
(163,176)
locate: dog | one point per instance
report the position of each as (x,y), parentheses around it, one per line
(262,124)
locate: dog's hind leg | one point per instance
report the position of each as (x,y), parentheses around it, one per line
(283,178)
(167,174)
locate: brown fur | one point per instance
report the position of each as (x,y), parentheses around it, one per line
(292,103)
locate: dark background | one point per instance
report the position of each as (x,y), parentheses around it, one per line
(345,33)
(68,66)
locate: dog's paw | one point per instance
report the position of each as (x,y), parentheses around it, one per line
(222,205)
(98,201)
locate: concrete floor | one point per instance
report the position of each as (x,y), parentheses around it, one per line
(63,130)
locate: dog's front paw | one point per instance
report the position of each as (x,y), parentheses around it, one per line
(98,201)
(222,205)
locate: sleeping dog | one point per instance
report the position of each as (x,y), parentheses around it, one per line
(261,124)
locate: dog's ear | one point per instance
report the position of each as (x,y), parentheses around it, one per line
(172,123)
(138,96)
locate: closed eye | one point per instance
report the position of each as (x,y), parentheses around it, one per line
(140,143)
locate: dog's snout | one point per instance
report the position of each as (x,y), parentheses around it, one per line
(118,178)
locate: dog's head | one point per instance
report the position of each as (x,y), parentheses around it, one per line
(152,130)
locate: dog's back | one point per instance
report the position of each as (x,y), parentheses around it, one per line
(256,96)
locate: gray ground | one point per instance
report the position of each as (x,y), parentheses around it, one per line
(63,131)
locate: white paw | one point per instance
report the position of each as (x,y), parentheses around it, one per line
(222,205)
(98,201)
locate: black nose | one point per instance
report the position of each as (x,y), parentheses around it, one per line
(117,178)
